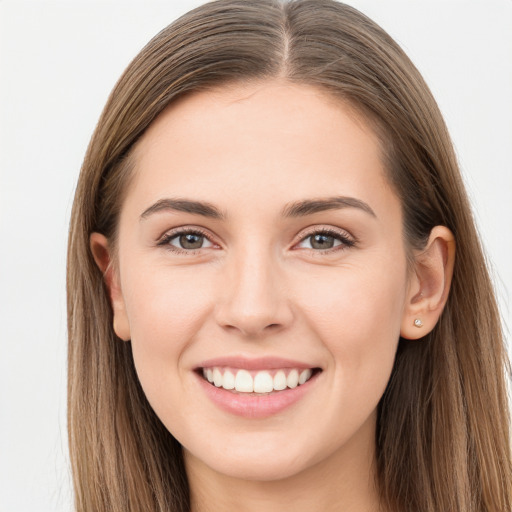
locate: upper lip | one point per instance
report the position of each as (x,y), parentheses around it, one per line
(257,363)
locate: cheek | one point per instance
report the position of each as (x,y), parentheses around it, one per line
(165,311)
(356,301)
(357,315)
(164,303)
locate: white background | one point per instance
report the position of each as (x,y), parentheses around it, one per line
(59,61)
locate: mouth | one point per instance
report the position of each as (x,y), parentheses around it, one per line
(257,387)
(256,382)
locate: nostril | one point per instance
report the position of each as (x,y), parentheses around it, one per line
(251,328)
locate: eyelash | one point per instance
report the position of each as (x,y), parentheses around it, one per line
(346,240)
(167,237)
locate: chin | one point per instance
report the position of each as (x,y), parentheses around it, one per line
(267,470)
(252,459)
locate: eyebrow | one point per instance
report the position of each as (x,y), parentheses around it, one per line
(311,206)
(184,205)
(296,209)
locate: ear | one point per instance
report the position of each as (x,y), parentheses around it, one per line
(429,284)
(103,258)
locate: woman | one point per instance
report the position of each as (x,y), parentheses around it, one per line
(265,305)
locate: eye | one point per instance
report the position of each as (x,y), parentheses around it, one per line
(325,239)
(186,241)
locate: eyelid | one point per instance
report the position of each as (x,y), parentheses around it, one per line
(165,238)
(346,238)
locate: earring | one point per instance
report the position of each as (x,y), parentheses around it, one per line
(418,323)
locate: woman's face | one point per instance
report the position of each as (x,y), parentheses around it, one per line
(259,243)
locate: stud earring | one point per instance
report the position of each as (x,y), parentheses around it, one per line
(418,323)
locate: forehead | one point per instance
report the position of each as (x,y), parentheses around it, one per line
(269,140)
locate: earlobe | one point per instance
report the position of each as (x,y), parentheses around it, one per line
(429,284)
(103,257)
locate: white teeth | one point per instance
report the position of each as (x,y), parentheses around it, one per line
(228,381)
(279,381)
(217,377)
(262,382)
(304,376)
(293,379)
(244,382)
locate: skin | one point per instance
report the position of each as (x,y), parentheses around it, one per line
(258,287)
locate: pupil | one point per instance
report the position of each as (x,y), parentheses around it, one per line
(191,241)
(322,241)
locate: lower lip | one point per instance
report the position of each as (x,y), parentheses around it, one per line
(250,405)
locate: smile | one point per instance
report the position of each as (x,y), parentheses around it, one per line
(262,381)
(256,388)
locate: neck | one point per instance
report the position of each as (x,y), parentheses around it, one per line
(345,480)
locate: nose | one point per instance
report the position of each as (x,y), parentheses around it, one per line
(254,300)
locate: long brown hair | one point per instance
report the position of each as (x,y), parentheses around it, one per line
(443,438)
